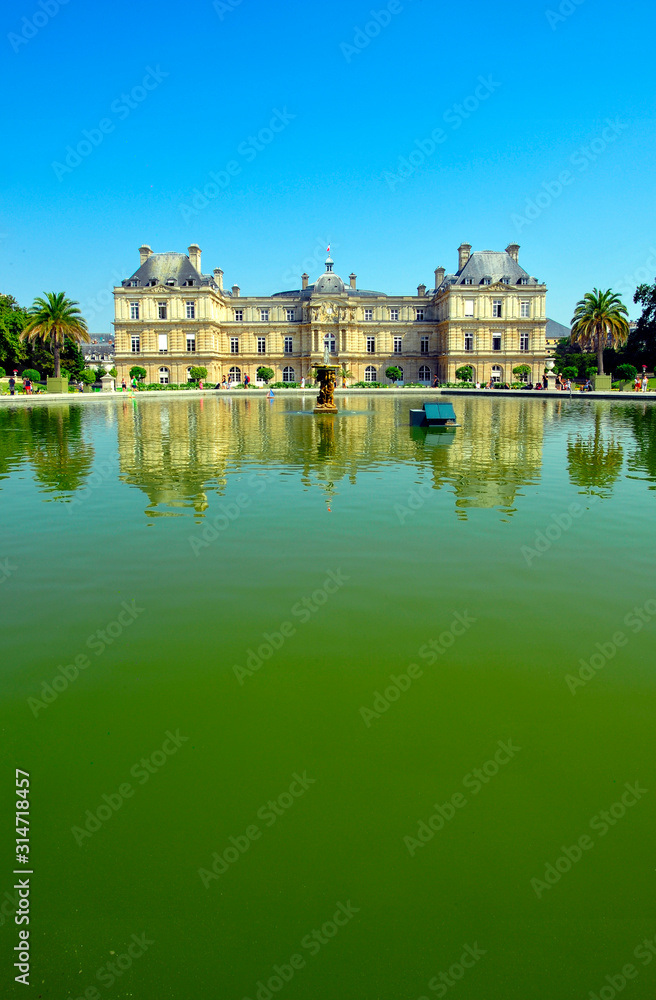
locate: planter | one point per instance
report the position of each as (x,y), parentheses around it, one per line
(627,386)
(602,383)
(56,384)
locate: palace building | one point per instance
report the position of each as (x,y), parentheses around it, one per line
(489,313)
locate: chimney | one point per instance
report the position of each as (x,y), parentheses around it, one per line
(144,254)
(218,277)
(353,278)
(235,291)
(464,250)
(304,280)
(421,290)
(439,276)
(194,256)
(513,250)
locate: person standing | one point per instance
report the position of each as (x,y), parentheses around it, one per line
(224,383)
(645,382)
(303,382)
(123,386)
(12,386)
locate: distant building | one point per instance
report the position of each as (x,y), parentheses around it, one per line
(490,314)
(555,332)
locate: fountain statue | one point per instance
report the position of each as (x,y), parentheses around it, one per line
(326,375)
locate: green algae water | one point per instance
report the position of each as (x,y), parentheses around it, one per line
(326,707)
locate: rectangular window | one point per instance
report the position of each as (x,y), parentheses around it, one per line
(394,315)
(264,315)
(135,344)
(469,308)
(423,345)
(161,310)
(239,315)
(398,345)
(234,345)
(469,341)
(291,315)
(134,310)
(419,315)
(368,315)
(496,308)
(288,345)
(523,341)
(371,345)
(525,309)
(162,343)
(496,342)
(261,345)
(191,343)
(191,310)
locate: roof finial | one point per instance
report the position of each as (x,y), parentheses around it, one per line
(329,260)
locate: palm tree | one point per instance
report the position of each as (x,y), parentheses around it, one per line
(54,318)
(344,374)
(599,321)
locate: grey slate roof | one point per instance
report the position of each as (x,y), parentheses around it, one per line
(494,264)
(556,330)
(162,267)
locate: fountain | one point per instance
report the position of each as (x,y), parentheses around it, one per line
(326,375)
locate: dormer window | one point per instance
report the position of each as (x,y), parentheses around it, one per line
(523,281)
(505,281)
(170,281)
(468,281)
(487,280)
(152,282)
(190,282)
(134,283)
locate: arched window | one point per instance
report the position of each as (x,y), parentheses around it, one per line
(288,374)
(234,375)
(370,374)
(424,374)
(496,373)
(189,379)
(163,376)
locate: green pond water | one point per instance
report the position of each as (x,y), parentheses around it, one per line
(250,578)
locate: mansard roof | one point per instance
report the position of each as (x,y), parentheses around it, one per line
(167,267)
(492,264)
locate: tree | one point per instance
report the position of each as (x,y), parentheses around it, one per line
(113,372)
(32,374)
(523,372)
(52,319)
(393,373)
(197,373)
(100,371)
(13,352)
(465,373)
(641,346)
(570,372)
(264,374)
(137,372)
(599,321)
(88,376)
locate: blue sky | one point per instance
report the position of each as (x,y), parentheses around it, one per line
(394,135)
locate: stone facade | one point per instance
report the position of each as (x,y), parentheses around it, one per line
(490,313)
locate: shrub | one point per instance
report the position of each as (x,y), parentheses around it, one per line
(394,374)
(414,385)
(113,372)
(569,372)
(626,373)
(2,372)
(265,374)
(139,373)
(88,377)
(197,373)
(464,373)
(32,374)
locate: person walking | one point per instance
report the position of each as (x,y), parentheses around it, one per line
(123,386)
(645,382)
(247,381)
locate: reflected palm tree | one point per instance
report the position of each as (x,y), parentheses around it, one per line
(60,456)
(595,462)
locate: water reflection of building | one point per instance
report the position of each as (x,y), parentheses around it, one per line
(179,451)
